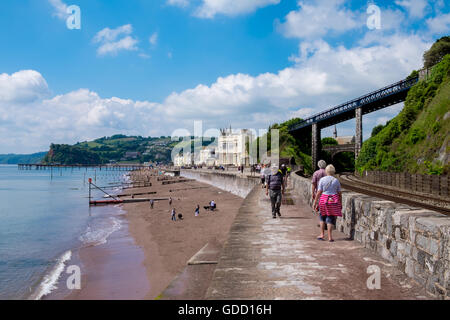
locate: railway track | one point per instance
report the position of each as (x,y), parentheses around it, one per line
(350,182)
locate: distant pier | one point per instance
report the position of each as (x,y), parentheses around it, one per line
(106,167)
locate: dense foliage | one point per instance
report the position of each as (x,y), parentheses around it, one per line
(67,155)
(296,148)
(417,140)
(438,51)
(118,148)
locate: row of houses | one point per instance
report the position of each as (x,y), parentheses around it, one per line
(231,149)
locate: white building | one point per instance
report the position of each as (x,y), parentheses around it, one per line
(186,159)
(207,157)
(343,139)
(232,147)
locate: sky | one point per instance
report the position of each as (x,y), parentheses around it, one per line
(153,67)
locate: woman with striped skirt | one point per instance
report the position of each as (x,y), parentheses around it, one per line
(329,202)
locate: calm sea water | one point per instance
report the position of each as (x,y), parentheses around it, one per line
(44,219)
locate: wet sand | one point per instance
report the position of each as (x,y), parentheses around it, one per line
(114,270)
(140,260)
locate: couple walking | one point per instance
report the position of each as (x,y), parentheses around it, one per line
(327,198)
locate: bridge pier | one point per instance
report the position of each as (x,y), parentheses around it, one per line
(359,133)
(316,145)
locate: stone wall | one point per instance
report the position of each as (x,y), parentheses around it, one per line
(237,185)
(416,240)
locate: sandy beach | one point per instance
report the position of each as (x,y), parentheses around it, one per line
(143,258)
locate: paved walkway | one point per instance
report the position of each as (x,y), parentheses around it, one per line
(267,258)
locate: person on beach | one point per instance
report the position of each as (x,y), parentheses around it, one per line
(328,202)
(174,215)
(212,205)
(319,174)
(197,210)
(275,189)
(170,201)
(152,202)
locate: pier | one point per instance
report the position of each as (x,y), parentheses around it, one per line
(106,167)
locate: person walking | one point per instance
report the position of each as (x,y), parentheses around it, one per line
(328,202)
(275,189)
(197,211)
(267,173)
(170,201)
(152,202)
(174,215)
(263,177)
(319,174)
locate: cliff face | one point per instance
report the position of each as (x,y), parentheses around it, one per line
(417,140)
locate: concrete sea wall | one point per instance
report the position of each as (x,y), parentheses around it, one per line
(237,185)
(416,240)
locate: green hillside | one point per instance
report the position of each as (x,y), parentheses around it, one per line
(22,158)
(417,140)
(117,149)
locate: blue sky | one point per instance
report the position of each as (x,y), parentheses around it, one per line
(151,67)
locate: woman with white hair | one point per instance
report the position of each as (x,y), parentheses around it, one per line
(329,201)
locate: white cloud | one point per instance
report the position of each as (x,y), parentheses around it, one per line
(144,56)
(210,8)
(22,87)
(60,9)
(315,19)
(178,3)
(415,8)
(109,35)
(153,39)
(439,24)
(324,77)
(128,44)
(111,44)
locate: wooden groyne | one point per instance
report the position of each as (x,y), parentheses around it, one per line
(113,202)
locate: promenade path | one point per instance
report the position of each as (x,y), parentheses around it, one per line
(266,258)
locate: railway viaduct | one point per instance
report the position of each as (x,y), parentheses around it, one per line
(355,108)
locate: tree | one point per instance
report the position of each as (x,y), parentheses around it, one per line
(437,51)
(376,130)
(329,141)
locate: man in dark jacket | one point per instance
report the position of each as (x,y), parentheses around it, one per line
(275,189)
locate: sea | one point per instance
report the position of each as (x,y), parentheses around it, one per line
(45,219)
